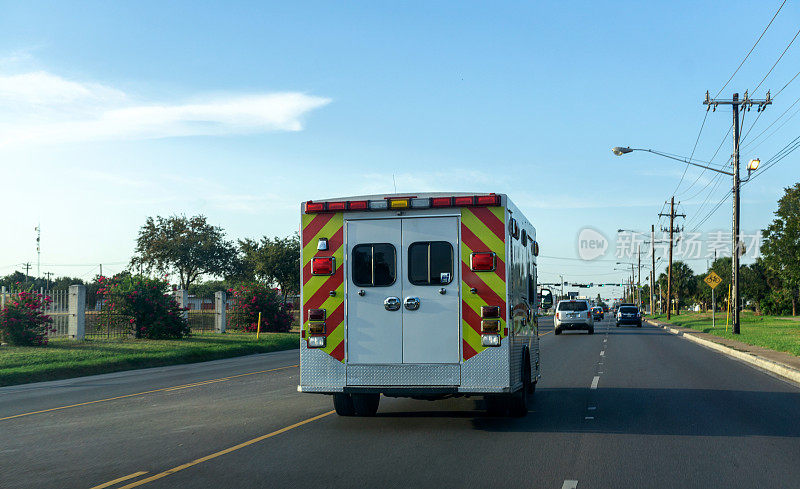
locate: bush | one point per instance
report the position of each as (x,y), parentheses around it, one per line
(251,299)
(146,304)
(23,321)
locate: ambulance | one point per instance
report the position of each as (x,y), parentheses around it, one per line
(428,296)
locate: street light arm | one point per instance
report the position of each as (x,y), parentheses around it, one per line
(620,151)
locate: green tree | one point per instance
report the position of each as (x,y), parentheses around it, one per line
(683,283)
(273,260)
(753,283)
(781,246)
(189,247)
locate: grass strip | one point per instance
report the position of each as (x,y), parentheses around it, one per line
(775,333)
(64,358)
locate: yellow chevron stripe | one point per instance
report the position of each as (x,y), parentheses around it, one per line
(483,233)
(335,337)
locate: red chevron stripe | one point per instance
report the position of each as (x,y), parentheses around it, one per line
(332,283)
(334,318)
(310,231)
(469,352)
(476,245)
(491,221)
(338,352)
(471,317)
(484,291)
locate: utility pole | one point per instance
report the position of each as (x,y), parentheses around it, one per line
(652,270)
(27,270)
(746,104)
(672,229)
(639,278)
(48,275)
(101,269)
(38,249)
(713,302)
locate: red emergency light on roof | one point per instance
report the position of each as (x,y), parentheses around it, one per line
(315,206)
(487,199)
(337,206)
(442,202)
(359,205)
(463,201)
(483,261)
(323,265)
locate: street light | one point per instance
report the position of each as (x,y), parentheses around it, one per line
(737,183)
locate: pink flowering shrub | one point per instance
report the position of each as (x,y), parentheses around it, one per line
(23,321)
(145,305)
(251,299)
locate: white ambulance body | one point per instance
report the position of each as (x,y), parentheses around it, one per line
(427,296)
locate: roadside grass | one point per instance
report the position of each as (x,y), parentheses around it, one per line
(781,334)
(63,358)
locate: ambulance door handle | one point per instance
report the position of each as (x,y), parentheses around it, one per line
(391,303)
(412,303)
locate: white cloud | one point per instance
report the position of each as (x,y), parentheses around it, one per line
(43,108)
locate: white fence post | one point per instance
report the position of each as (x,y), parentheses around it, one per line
(220,300)
(76,324)
(182,296)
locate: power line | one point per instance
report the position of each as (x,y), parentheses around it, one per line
(773,123)
(703,171)
(776,62)
(751,49)
(697,140)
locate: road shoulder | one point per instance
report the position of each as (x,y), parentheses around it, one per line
(784,365)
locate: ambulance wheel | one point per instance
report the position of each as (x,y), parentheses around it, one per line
(531,385)
(366,404)
(343,404)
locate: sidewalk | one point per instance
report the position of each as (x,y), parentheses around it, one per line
(782,364)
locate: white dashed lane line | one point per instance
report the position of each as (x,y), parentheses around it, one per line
(595,381)
(569,484)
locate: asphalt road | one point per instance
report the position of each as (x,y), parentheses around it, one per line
(664,413)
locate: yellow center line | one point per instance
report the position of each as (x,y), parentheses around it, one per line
(163,389)
(111,483)
(545,334)
(223,452)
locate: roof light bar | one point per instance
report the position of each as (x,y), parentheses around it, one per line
(410,202)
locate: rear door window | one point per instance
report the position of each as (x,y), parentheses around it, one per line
(629,310)
(573,306)
(430,263)
(374,264)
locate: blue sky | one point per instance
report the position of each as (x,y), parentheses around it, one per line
(114,111)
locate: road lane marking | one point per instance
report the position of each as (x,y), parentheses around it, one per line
(545,334)
(163,389)
(569,484)
(595,381)
(223,452)
(592,408)
(588,417)
(111,483)
(603,353)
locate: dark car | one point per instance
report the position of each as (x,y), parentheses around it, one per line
(629,315)
(605,308)
(597,313)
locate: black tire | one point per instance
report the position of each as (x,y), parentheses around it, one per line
(518,403)
(531,384)
(639,325)
(618,325)
(366,404)
(590,331)
(557,331)
(343,404)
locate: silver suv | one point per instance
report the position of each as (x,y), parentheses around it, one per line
(573,314)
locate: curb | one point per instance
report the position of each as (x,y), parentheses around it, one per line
(776,368)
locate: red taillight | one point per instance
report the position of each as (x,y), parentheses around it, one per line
(441,202)
(337,206)
(482,262)
(315,206)
(322,265)
(589,315)
(558,315)
(487,200)
(463,201)
(359,205)
(316,314)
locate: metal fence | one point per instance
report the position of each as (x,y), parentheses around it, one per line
(58,310)
(201,314)
(104,322)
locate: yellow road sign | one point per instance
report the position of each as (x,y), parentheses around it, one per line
(712,279)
